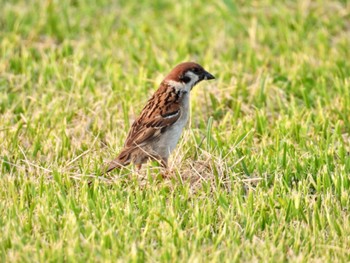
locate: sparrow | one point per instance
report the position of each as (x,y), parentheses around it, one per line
(155,133)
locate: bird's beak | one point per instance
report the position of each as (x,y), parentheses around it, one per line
(207,75)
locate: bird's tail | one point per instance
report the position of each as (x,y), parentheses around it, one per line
(122,160)
(112,165)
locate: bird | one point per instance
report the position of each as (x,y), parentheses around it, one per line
(157,130)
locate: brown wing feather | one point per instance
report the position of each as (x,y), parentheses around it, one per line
(161,111)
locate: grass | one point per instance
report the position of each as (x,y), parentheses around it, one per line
(261,174)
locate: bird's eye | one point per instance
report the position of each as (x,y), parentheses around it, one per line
(195,70)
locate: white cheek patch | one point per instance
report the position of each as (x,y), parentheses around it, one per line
(175,84)
(194,78)
(185,86)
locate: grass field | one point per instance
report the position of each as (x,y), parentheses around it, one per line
(262,173)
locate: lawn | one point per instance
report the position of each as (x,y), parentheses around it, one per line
(261,173)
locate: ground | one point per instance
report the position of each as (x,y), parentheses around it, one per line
(260,174)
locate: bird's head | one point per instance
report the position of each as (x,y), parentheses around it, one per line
(187,75)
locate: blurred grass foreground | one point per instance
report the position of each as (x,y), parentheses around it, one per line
(261,173)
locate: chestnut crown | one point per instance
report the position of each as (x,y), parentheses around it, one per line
(189,73)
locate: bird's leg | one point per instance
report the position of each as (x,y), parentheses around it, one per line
(164,163)
(138,167)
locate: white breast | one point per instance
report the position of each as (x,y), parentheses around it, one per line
(170,138)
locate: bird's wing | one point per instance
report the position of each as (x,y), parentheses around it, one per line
(161,111)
